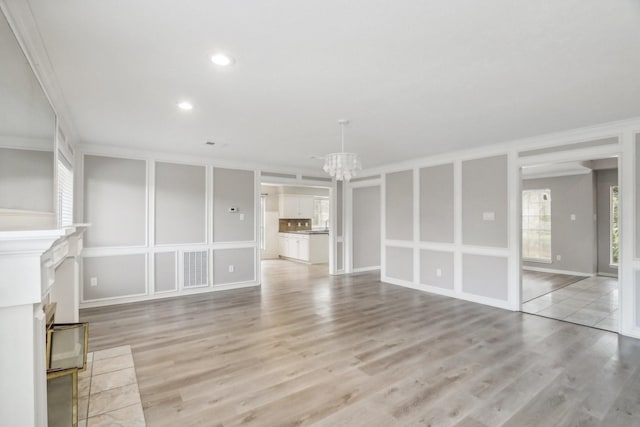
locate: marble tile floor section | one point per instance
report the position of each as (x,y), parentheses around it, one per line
(108,390)
(590,302)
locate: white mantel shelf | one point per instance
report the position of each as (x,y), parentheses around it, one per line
(21,281)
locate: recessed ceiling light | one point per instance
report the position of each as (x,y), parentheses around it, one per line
(222,60)
(184,105)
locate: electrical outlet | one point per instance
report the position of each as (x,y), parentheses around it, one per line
(558,257)
(94,281)
(231,268)
(573,217)
(439,272)
(241,217)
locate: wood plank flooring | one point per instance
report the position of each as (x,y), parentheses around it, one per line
(308,349)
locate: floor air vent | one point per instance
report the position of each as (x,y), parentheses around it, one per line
(195,270)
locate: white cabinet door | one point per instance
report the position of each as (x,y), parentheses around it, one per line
(305,206)
(295,206)
(293,247)
(303,249)
(282,245)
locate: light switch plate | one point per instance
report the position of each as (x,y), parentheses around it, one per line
(488,216)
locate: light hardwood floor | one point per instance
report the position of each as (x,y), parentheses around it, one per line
(351,351)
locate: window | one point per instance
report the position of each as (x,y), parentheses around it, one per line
(536,225)
(263,222)
(320,212)
(614,228)
(65,190)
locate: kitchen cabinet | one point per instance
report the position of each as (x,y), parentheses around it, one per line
(296,206)
(310,248)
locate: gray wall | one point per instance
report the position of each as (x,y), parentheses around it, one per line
(430,263)
(399,205)
(165,271)
(115,201)
(180,203)
(366,227)
(243,264)
(26,180)
(399,263)
(484,190)
(118,275)
(436,203)
(574,241)
(605,179)
(233,188)
(485,276)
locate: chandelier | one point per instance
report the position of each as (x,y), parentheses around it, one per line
(342,166)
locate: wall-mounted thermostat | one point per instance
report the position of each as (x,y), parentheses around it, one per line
(233,209)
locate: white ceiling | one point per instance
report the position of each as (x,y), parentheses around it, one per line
(415,77)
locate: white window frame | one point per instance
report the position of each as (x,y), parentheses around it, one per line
(315,199)
(611,209)
(532,259)
(263,223)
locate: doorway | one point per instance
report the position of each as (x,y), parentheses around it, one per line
(570,242)
(294,228)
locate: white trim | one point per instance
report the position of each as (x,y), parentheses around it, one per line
(347,223)
(627,288)
(368,183)
(383,225)
(573,136)
(604,274)
(399,243)
(457,226)
(537,260)
(449,293)
(486,250)
(514,218)
(555,271)
(415,203)
(363,269)
(437,246)
(168,294)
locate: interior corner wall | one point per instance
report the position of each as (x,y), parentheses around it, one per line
(438,236)
(26,180)
(366,227)
(573,240)
(436,203)
(115,201)
(399,205)
(180,203)
(233,189)
(484,192)
(147,215)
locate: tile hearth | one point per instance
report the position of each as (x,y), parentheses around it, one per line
(108,390)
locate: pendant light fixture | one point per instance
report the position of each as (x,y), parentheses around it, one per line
(342,166)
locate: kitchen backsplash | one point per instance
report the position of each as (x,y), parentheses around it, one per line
(294,224)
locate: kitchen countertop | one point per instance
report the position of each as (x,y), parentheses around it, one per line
(306,232)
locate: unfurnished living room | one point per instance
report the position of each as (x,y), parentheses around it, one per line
(225,213)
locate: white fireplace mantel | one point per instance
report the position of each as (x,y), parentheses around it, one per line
(28,262)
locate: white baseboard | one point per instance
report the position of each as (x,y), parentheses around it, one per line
(554,271)
(167,294)
(452,294)
(615,276)
(363,269)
